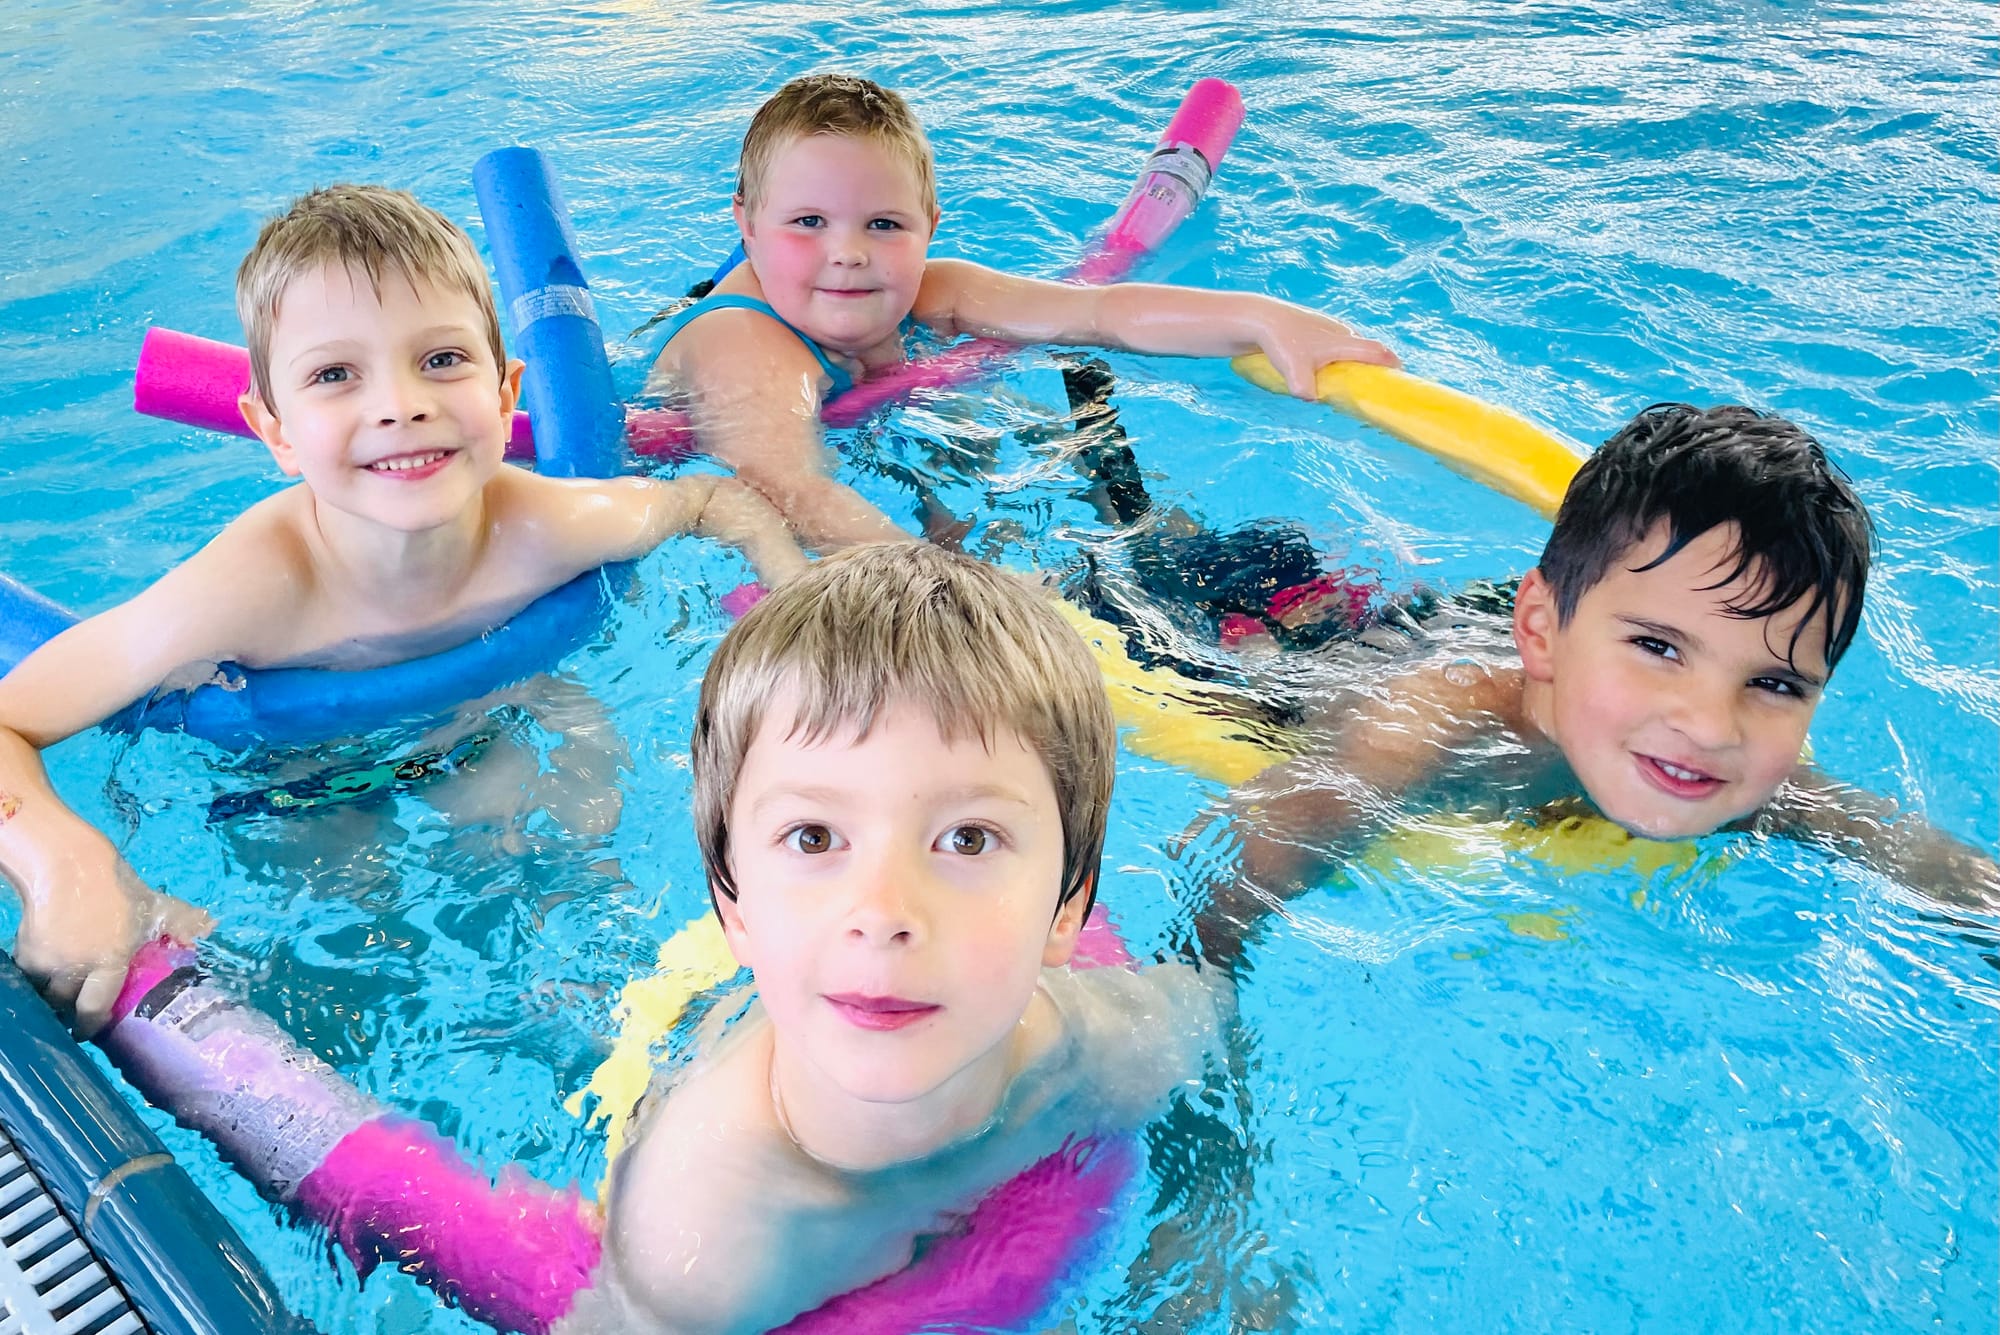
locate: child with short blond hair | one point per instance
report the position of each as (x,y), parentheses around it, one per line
(902,770)
(380,381)
(836,204)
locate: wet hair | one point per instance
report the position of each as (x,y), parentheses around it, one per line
(885,624)
(1801,532)
(836,104)
(367,228)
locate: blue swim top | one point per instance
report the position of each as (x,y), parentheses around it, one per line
(842,381)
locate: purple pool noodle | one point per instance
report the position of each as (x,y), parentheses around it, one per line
(273,1109)
(513,1254)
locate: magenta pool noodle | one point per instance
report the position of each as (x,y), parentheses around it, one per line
(513,1254)
(1176,177)
(196,381)
(1000,1266)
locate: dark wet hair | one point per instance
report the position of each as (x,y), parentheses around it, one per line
(1802,532)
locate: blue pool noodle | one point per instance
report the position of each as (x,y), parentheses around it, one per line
(579,433)
(579,425)
(313,704)
(26,619)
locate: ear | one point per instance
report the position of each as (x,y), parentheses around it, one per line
(1065,930)
(270,430)
(510,386)
(937,216)
(730,914)
(742,217)
(1536,625)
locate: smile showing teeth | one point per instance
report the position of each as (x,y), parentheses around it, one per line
(1684,775)
(405,463)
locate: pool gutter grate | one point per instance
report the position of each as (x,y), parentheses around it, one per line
(51,1283)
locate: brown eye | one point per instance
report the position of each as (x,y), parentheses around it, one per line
(970,840)
(812,839)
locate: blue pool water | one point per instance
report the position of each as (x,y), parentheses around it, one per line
(1756,1096)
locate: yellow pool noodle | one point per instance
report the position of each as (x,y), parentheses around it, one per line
(1502,449)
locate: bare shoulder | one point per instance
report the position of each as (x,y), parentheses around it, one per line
(1140,1034)
(702,1200)
(731,351)
(241,595)
(1425,701)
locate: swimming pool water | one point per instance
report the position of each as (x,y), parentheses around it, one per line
(1752,1095)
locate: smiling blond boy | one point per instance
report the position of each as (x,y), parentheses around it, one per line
(380,382)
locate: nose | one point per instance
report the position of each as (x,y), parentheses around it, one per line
(401,396)
(848,249)
(1704,712)
(886,908)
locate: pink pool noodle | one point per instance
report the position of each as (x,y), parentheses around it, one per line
(513,1254)
(999,1267)
(196,381)
(1173,183)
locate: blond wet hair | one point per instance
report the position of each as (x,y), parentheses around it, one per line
(370,228)
(906,623)
(835,104)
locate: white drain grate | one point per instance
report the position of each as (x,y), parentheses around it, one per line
(50,1281)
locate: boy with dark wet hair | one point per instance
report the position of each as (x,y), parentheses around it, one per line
(1704,576)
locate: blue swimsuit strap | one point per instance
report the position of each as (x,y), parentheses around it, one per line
(725,301)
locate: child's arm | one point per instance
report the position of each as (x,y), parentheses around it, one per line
(1302,814)
(628,517)
(958,297)
(83,910)
(755,394)
(1816,808)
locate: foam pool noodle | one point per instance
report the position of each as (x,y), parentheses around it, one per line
(386,1188)
(995,1271)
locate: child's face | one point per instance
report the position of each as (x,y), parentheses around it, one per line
(387,403)
(897,898)
(1677,716)
(838,239)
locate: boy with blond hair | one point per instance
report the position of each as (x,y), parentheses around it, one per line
(902,772)
(379,380)
(836,203)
